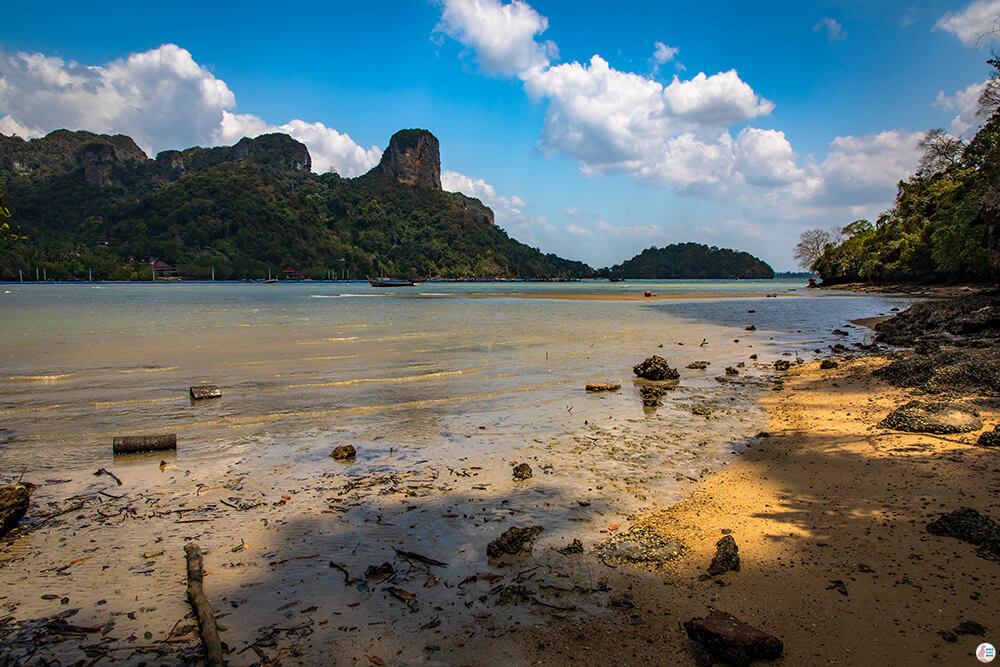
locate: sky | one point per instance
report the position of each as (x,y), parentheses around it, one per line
(594,130)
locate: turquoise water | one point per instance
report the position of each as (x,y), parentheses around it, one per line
(82,363)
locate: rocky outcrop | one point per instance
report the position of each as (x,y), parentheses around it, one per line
(414,158)
(478,209)
(655,368)
(933,417)
(171,159)
(727,557)
(278,151)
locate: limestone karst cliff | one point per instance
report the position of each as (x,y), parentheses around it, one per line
(413,158)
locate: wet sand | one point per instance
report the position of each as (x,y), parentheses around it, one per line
(635,294)
(828,501)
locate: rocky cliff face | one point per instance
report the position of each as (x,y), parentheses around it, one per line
(96,160)
(275,150)
(414,158)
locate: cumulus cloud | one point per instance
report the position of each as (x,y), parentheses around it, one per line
(663,53)
(863,170)
(508,212)
(329,149)
(966,102)
(502,35)
(161,98)
(834,31)
(972,23)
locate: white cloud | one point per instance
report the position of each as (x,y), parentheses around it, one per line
(508,212)
(328,148)
(834,31)
(966,102)
(161,98)
(663,53)
(765,158)
(865,170)
(972,23)
(503,35)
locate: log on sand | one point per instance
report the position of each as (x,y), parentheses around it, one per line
(206,620)
(131,444)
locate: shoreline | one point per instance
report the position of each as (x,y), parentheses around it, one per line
(827,501)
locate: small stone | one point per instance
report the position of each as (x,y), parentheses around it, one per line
(651,395)
(750,328)
(827,364)
(204,391)
(698,365)
(14,500)
(731,371)
(344,453)
(574,547)
(782,365)
(380,571)
(513,541)
(727,557)
(522,471)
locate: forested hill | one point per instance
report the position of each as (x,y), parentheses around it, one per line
(944,225)
(690,261)
(95,203)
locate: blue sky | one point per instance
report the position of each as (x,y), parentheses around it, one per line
(593,130)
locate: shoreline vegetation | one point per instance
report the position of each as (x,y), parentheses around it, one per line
(827,507)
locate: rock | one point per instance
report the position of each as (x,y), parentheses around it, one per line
(701,411)
(603,386)
(382,571)
(753,356)
(574,547)
(14,499)
(990,438)
(513,594)
(732,640)
(838,347)
(651,395)
(731,371)
(698,365)
(968,525)
(274,151)
(522,471)
(727,557)
(838,332)
(933,417)
(828,363)
(655,368)
(203,391)
(96,159)
(970,628)
(513,541)
(344,453)
(413,157)
(750,328)
(971,370)
(782,365)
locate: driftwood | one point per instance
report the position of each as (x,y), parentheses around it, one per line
(131,444)
(206,619)
(199,392)
(14,500)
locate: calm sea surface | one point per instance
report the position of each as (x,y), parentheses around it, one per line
(418,366)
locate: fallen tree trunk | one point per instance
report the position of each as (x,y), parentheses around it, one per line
(206,619)
(131,444)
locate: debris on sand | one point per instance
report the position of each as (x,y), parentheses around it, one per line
(514,541)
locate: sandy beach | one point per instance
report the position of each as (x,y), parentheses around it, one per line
(829,513)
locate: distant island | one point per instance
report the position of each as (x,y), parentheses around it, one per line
(88,205)
(690,261)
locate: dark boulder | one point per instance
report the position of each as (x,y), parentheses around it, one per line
(782,365)
(522,471)
(344,453)
(727,557)
(968,525)
(732,640)
(655,368)
(827,364)
(651,395)
(933,417)
(698,365)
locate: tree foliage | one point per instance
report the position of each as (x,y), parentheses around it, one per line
(243,211)
(690,261)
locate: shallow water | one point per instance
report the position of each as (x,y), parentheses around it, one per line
(441,387)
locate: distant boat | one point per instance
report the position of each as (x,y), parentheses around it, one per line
(389,282)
